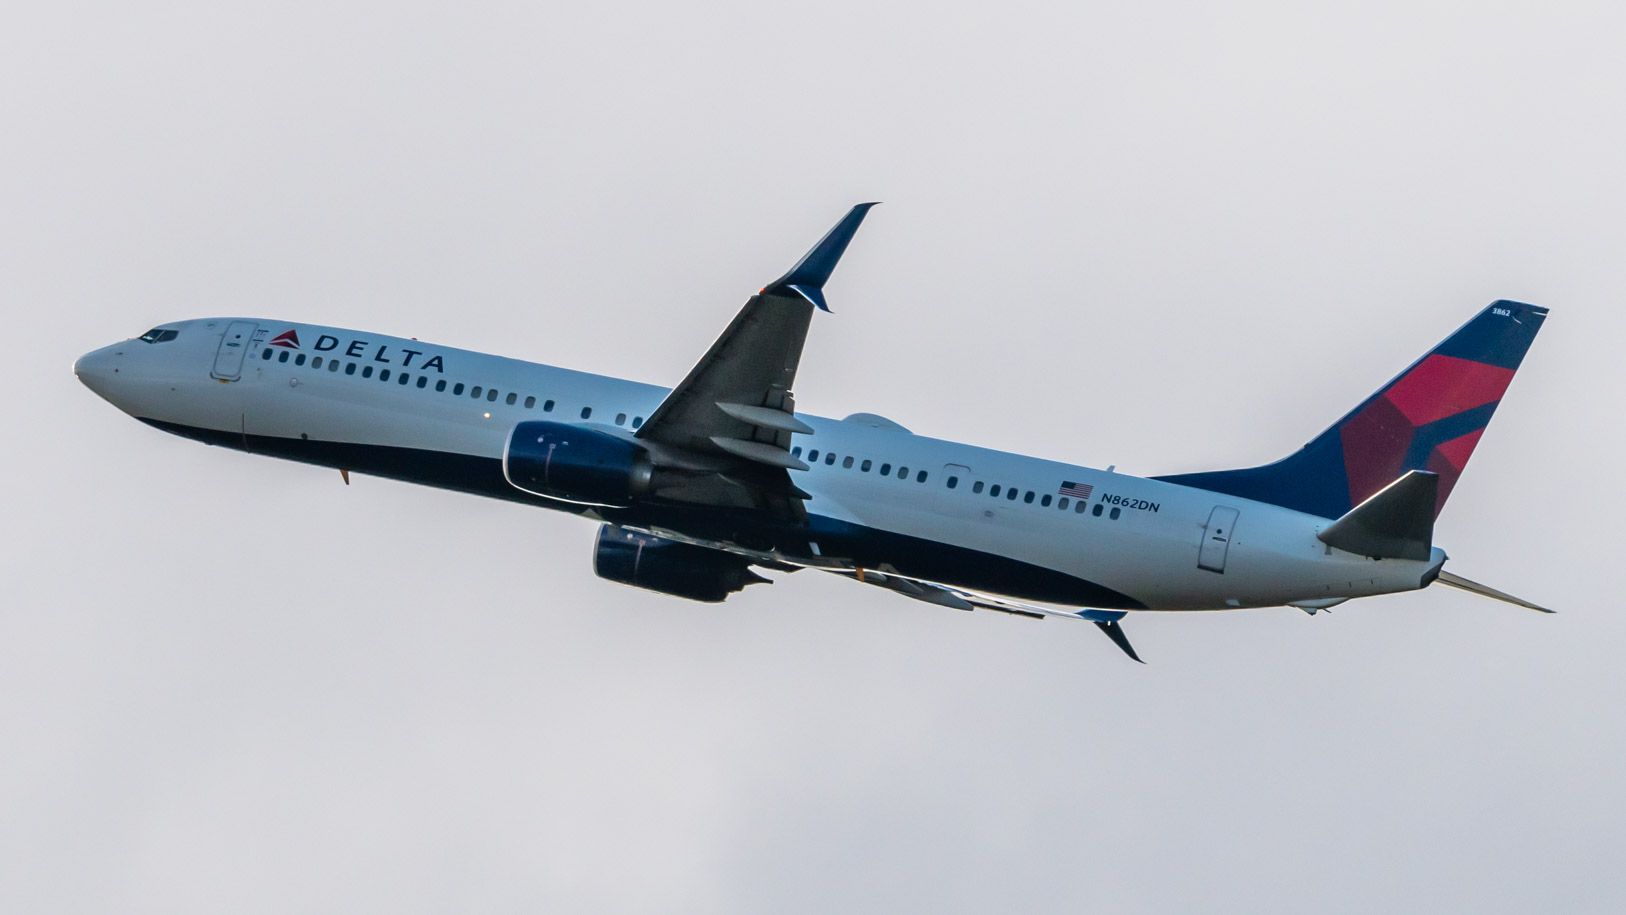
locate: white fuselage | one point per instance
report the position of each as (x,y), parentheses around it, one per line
(1169,547)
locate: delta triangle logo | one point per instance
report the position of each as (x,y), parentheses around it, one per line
(288,338)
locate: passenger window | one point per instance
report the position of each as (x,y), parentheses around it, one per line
(316,362)
(1063,503)
(830,458)
(403,378)
(299,359)
(865,466)
(796,452)
(586,412)
(847,462)
(266,354)
(457,389)
(976,486)
(813,456)
(994,490)
(920,477)
(476,391)
(1044,502)
(440,385)
(621,419)
(1028,498)
(491,395)
(637,421)
(1113,515)
(1095,511)
(366,371)
(903,473)
(423,381)
(547,407)
(511,398)
(282,356)
(886,470)
(1012,493)
(953,482)
(333,365)
(383,374)
(530,401)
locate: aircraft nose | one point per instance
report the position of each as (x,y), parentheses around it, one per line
(97,369)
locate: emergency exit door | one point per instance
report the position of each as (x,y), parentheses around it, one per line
(233,347)
(1217,539)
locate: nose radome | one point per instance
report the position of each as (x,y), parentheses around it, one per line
(97,368)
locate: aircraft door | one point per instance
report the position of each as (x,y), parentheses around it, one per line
(1217,539)
(233,347)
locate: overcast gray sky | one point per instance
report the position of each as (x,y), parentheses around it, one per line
(1170,237)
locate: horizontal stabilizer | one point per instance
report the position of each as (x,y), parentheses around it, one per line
(1474,587)
(1396,522)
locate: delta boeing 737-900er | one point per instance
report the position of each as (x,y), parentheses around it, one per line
(697,487)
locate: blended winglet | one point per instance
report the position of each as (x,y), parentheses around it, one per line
(808,277)
(1115,632)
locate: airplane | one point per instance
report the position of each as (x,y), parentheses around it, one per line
(700,488)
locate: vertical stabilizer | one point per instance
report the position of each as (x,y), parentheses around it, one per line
(1429,418)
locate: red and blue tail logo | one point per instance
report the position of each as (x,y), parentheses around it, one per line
(1429,417)
(288,338)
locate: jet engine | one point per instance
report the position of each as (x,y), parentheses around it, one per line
(679,569)
(575,464)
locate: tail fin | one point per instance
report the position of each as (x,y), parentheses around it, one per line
(1429,417)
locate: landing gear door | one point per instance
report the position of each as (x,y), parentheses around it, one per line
(233,347)
(1217,539)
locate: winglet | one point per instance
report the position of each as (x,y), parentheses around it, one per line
(1115,632)
(808,277)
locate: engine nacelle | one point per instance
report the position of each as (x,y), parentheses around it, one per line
(680,569)
(575,464)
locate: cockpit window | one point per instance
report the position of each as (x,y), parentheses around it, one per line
(159,335)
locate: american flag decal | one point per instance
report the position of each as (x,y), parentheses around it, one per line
(1079,491)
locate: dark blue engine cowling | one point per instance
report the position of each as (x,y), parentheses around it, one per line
(679,569)
(575,464)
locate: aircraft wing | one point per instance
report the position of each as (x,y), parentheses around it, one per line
(961,599)
(735,410)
